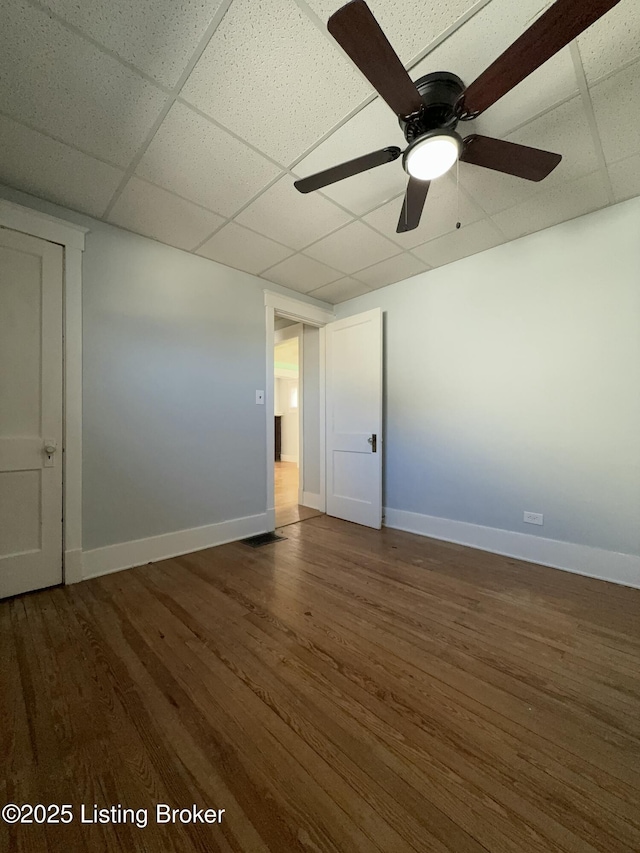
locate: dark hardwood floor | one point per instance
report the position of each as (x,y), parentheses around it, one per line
(345,690)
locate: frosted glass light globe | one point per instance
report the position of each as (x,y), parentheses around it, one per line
(430,156)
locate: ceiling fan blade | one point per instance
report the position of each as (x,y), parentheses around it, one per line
(533,164)
(414,199)
(346,170)
(553,30)
(360,36)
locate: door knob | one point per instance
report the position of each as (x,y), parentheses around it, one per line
(49,449)
(373,439)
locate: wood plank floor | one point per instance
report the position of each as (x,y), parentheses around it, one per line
(288,510)
(345,690)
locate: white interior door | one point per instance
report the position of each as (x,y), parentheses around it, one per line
(354,418)
(30,413)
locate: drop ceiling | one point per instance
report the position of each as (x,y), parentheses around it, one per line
(188,121)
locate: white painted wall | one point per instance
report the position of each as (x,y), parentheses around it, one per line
(513,383)
(290,420)
(174,348)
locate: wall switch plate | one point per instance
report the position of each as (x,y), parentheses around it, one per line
(533,517)
(259,398)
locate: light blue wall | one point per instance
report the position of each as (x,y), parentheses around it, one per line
(513,383)
(174,348)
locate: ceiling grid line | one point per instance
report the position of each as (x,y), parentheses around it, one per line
(535,116)
(587,105)
(235,135)
(353,218)
(289,171)
(436,42)
(59,139)
(244,207)
(299,252)
(175,194)
(368,212)
(227,220)
(479,206)
(41,7)
(360,218)
(197,53)
(253,231)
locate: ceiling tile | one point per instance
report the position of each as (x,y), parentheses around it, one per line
(616,103)
(553,206)
(625,177)
(243,249)
(478,42)
(392,270)
(290,217)
(611,42)
(157,213)
(352,248)
(40,165)
(460,244)
(372,128)
(439,217)
(203,163)
(157,36)
(273,78)
(57,82)
(563,130)
(301,273)
(340,291)
(410,25)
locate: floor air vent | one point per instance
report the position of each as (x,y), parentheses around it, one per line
(263,539)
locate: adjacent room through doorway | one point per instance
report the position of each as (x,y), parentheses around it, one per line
(290,423)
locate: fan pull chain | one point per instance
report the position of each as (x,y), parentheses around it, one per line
(457,193)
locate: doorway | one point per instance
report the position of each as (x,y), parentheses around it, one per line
(348,415)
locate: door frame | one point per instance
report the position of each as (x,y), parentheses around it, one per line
(310,315)
(71,237)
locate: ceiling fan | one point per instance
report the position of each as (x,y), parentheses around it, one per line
(429,109)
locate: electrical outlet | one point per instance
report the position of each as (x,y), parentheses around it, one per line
(532,517)
(259,398)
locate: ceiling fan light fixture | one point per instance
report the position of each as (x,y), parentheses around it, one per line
(432,154)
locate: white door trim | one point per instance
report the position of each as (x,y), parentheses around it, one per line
(312,315)
(71,237)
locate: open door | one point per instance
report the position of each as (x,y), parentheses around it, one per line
(30,413)
(354,418)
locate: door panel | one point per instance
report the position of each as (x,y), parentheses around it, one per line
(354,416)
(30,413)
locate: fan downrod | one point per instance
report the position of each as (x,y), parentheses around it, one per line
(440,92)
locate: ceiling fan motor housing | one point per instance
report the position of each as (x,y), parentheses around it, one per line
(440,91)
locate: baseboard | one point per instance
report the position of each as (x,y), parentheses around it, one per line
(311,500)
(580,559)
(271,519)
(73,566)
(285,458)
(126,555)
